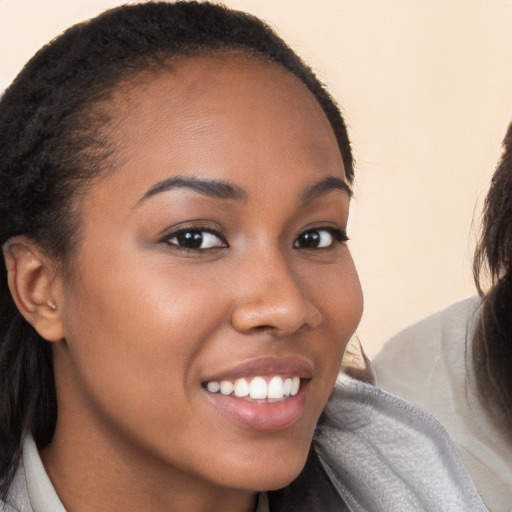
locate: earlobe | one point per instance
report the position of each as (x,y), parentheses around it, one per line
(34,286)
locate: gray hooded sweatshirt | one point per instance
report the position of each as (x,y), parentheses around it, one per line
(380,453)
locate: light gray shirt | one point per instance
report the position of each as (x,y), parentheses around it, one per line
(430,364)
(381,454)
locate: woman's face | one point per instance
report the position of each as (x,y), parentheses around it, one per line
(213,257)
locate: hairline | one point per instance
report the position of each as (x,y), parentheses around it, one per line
(103,98)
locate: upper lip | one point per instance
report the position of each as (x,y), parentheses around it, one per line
(289,366)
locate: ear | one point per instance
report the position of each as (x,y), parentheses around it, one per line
(35,286)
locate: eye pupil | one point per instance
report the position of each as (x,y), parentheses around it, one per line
(190,239)
(309,239)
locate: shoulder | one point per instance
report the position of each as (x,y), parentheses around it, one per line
(383,453)
(408,356)
(448,322)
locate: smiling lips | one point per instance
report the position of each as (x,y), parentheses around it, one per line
(264,394)
(274,388)
(267,403)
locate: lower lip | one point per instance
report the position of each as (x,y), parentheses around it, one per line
(262,415)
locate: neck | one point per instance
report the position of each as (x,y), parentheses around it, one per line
(87,477)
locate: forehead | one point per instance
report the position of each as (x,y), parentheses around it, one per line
(222,113)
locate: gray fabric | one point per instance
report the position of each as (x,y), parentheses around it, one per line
(430,363)
(18,494)
(384,454)
(40,490)
(381,454)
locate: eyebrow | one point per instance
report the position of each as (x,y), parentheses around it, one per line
(212,188)
(224,190)
(324,186)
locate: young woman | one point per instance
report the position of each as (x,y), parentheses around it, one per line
(463,354)
(175,188)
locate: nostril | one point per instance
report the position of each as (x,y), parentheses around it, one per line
(263,327)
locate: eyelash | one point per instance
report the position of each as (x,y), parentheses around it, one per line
(338,235)
(196,230)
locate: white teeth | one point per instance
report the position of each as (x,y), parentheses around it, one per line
(213,387)
(258,389)
(295,386)
(226,387)
(287,386)
(275,388)
(241,388)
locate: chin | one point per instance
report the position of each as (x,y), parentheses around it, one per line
(273,472)
(279,481)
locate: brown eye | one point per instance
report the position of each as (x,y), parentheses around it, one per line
(319,238)
(195,239)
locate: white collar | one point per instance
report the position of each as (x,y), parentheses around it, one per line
(41,492)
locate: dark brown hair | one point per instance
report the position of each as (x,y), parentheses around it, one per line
(492,345)
(54,141)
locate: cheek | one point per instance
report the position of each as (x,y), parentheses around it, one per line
(133,331)
(341,298)
(336,291)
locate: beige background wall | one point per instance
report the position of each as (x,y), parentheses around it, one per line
(426,86)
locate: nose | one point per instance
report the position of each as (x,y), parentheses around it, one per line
(272,298)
